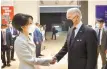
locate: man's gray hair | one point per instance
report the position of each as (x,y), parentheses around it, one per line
(75,11)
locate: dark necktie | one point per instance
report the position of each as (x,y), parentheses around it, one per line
(72,35)
(99,36)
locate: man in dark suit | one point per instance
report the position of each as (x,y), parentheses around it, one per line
(14,34)
(6,41)
(81,44)
(102,40)
(102,43)
(54,31)
(38,40)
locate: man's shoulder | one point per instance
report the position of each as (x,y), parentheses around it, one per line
(88,29)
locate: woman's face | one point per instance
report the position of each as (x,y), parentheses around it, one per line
(27,27)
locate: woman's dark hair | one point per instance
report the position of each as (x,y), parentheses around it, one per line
(20,20)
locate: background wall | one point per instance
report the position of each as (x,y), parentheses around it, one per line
(28,7)
(92,11)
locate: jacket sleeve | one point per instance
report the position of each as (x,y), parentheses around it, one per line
(10,38)
(91,45)
(62,52)
(106,40)
(36,36)
(25,56)
(64,49)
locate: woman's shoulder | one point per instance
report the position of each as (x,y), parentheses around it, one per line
(20,41)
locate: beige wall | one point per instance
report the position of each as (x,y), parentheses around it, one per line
(91,11)
(28,7)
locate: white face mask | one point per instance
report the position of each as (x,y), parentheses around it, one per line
(31,28)
(97,25)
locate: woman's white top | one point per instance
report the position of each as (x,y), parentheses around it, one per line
(25,50)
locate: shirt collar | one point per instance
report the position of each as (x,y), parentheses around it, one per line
(79,25)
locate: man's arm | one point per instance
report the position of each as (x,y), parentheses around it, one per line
(62,52)
(36,37)
(106,42)
(64,49)
(91,44)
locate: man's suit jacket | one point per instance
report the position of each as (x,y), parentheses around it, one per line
(15,34)
(25,50)
(37,36)
(82,53)
(8,38)
(104,38)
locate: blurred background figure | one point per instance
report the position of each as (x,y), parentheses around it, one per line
(89,26)
(14,34)
(38,39)
(54,31)
(102,40)
(6,45)
(43,32)
(44,27)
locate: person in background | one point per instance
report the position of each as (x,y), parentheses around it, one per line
(6,45)
(89,26)
(43,32)
(24,46)
(14,34)
(44,27)
(81,43)
(38,39)
(54,31)
(102,40)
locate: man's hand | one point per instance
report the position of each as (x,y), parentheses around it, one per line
(11,47)
(53,60)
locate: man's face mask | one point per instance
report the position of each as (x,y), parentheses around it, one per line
(69,22)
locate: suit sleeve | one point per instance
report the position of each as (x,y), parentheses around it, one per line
(63,51)
(91,45)
(36,36)
(106,40)
(25,56)
(10,37)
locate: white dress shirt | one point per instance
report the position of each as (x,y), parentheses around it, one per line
(101,35)
(78,26)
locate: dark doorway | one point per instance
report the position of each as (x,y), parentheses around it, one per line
(51,19)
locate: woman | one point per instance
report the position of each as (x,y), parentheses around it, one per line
(24,46)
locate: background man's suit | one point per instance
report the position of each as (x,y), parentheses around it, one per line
(38,38)
(102,47)
(14,34)
(6,48)
(82,52)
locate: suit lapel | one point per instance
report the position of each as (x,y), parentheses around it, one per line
(70,33)
(79,34)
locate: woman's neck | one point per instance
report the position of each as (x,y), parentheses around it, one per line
(25,33)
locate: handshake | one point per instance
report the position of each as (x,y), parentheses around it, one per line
(53,61)
(47,61)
